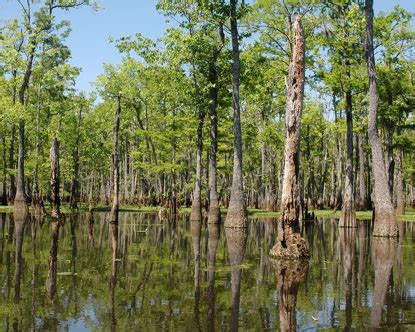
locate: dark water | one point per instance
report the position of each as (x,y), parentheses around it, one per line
(189,276)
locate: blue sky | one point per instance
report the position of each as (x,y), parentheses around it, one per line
(91,30)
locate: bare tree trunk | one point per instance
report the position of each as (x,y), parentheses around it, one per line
(115,165)
(348,215)
(20,198)
(196,214)
(400,201)
(55,178)
(290,244)
(385,221)
(236,216)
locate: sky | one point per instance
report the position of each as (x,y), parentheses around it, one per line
(91,30)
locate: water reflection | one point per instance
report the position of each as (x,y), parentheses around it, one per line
(19,226)
(113,228)
(384,255)
(289,274)
(236,243)
(53,260)
(195,230)
(213,240)
(145,274)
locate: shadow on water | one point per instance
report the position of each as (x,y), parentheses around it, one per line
(148,274)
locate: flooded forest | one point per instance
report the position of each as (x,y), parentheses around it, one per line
(251,169)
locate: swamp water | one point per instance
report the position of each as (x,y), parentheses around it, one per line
(86,274)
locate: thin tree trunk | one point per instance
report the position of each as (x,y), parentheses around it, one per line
(12,191)
(236,216)
(214,211)
(362,203)
(348,215)
(400,201)
(20,198)
(290,244)
(115,165)
(385,221)
(3,185)
(196,214)
(55,178)
(73,201)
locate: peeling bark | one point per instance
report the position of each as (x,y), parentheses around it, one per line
(290,243)
(55,178)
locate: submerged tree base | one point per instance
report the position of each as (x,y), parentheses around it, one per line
(292,246)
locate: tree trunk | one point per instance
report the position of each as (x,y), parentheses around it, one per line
(385,221)
(400,201)
(12,191)
(55,178)
(236,216)
(290,244)
(73,201)
(362,203)
(20,198)
(348,215)
(115,165)
(196,214)
(3,200)
(214,211)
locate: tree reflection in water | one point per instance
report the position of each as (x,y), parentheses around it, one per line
(53,260)
(290,273)
(213,239)
(113,229)
(384,254)
(236,242)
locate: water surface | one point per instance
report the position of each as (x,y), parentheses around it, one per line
(86,274)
